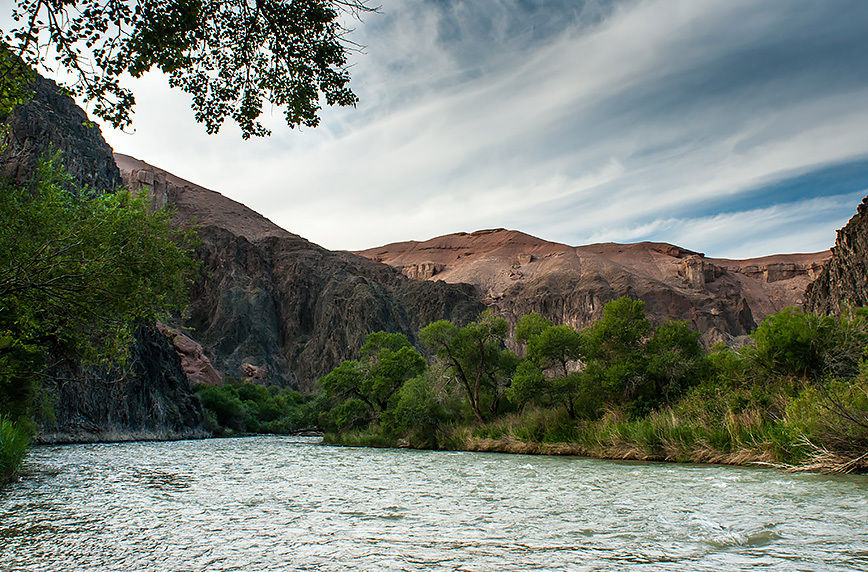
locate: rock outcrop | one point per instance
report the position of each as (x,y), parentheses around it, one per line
(519,273)
(51,121)
(844,278)
(272,307)
(151,398)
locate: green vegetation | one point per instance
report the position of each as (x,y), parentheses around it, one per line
(78,273)
(797,396)
(14,438)
(242,407)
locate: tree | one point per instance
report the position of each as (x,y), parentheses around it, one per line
(475,358)
(613,348)
(676,362)
(231,56)
(530,325)
(550,350)
(386,362)
(77,274)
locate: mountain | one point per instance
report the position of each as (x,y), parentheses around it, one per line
(272,306)
(518,273)
(844,279)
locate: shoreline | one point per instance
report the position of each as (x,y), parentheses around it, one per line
(828,464)
(821,463)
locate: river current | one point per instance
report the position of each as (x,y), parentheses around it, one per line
(282,503)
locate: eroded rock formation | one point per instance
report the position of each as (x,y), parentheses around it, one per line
(844,279)
(519,273)
(51,121)
(273,307)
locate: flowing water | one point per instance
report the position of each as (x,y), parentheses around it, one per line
(272,503)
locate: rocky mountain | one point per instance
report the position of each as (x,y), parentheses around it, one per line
(844,279)
(271,306)
(518,273)
(51,121)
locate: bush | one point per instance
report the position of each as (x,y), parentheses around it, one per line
(241,406)
(14,439)
(789,343)
(416,414)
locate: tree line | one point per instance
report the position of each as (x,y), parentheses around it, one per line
(798,390)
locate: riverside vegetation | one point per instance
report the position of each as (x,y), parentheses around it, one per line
(79,272)
(795,397)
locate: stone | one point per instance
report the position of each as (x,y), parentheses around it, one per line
(843,280)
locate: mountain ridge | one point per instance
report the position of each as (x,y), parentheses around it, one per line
(517,272)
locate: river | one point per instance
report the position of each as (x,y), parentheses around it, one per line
(283,503)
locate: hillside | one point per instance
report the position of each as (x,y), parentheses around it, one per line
(519,273)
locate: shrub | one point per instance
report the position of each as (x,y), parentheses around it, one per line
(14,439)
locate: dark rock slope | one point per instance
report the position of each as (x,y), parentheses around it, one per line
(52,121)
(844,278)
(152,397)
(272,306)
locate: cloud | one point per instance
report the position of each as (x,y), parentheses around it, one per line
(666,120)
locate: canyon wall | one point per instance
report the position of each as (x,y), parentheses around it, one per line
(270,305)
(844,279)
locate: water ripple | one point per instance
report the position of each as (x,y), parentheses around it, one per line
(271,503)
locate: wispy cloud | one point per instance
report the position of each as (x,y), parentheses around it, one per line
(574,121)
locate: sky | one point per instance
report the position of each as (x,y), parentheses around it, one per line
(735,128)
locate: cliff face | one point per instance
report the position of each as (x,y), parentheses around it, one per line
(152,398)
(52,121)
(519,273)
(275,307)
(844,279)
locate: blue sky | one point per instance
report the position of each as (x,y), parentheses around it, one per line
(736,128)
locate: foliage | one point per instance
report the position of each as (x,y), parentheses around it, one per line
(614,351)
(242,407)
(418,414)
(15,80)
(789,343)
(623,388)
(359,391)
(232,57)
(14,438)
(475,358)
(530,325)
(77,273)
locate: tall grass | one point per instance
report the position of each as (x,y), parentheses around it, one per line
(797,430)
(14,439)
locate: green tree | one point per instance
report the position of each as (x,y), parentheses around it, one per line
(550,349)
(790,342)
(231,56)
(529,385)
(530,325)
(78,273)
(613,348)
(475,358)
(418,413)
(386,362)
(676,362)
